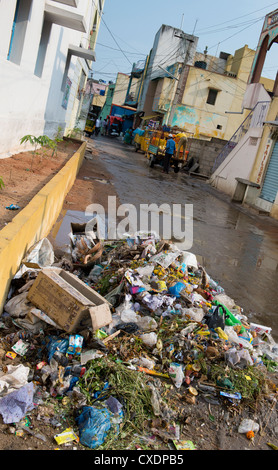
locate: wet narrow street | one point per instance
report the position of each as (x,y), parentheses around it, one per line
(239,249)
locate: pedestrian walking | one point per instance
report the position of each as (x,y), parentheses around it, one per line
(98,126)
(169,152)
(104,127)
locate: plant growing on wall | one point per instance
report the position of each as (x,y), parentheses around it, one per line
(73,133)
(2,184)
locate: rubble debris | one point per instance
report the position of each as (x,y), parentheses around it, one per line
(127,343)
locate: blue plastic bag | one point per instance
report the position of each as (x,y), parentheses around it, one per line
(95,423)
(56,344)
(176,289)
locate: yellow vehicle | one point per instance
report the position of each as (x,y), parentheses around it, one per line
(141,142)
(153,144)
(89,127)
(156,151)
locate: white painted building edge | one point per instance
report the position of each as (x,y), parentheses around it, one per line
(32,104)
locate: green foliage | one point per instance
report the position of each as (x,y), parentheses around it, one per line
(2,184)
(73,133)
(43,142)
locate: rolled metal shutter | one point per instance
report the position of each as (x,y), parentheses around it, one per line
(270,186)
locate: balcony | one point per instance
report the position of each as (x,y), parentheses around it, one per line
(70,3)
(64,17)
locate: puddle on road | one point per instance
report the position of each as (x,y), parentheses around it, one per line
(60,232)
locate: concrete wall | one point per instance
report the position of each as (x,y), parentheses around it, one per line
(202,119)
(35,221)
(170,46)
(238,164)
(205,152)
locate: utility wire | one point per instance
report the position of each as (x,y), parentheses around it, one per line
(239,17)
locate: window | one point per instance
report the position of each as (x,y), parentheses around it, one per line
(219,126)
(45,35)
(212,95)
(21,18)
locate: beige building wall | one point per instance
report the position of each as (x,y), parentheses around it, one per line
(222,118)
(120,89)
(211,120)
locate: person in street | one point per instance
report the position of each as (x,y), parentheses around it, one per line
(169,153)
(103,127)
(128,136)
(98,126)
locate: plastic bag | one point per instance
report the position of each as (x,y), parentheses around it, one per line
(225,300)
(196,314)
(234,338)
(94,424)
(41,255)
(176,289)
(150,339)
(18,306)
(14,378)
(127,312)
(176,374)
(15,405)
(147,323)
(215,318)
(239,358)
(189,259)
(248,425)
(57,344)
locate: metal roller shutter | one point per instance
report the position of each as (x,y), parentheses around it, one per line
(270,186)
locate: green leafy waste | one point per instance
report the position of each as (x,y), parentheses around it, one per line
(128,386)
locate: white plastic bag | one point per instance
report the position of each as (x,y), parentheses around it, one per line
(150,339)
(176,374)
(196,314)
(147,323)
(248,425)
(14,378)
(234,338)
(18,306)
(189,259)
(41,255)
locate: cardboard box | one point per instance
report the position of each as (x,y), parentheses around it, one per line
(69,301)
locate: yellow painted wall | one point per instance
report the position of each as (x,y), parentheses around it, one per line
(222,119)
(205,117)
(35,221)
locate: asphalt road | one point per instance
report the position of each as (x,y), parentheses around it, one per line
(238,248)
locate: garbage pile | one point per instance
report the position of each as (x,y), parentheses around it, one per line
(126,342)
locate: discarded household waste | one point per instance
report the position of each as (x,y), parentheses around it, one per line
(116,334)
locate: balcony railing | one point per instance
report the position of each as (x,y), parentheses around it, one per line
(255,118)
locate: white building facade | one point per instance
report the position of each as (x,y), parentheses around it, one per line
(46,52)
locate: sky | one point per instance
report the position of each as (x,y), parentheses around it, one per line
(128,28)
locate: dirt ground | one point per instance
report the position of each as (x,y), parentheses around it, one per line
(23,179)
(208,424)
